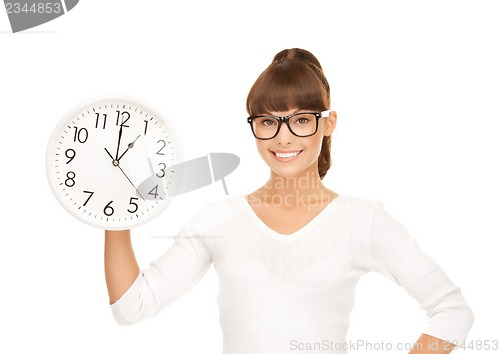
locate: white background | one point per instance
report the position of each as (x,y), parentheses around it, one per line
(416,86)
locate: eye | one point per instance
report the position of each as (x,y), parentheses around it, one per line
(267,122)
(301,119)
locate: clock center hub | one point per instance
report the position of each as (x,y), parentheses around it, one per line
(115,163)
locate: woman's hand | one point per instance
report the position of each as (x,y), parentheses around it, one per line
(427,344)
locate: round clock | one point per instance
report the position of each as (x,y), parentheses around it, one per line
(108,162)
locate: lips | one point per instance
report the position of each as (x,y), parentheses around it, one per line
(286,155)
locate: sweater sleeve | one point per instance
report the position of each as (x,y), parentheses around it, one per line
(168,278)
(395,254)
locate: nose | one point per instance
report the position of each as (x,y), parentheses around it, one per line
(285,135)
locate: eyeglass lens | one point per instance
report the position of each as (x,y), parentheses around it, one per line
(302,125)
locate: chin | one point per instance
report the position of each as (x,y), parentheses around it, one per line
(284,175)
(292,171)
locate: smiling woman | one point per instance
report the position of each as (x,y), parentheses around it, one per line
(294,81)
(288,255)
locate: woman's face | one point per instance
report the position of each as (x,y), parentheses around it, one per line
(291,156)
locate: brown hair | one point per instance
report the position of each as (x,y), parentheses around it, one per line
(294,79)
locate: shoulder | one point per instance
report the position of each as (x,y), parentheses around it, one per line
(221,211)
(357,206)
(373,214)
(228,204)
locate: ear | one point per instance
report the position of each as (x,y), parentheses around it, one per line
(330,123)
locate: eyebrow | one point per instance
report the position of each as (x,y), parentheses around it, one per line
(293,112)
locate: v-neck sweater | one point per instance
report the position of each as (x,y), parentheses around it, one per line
(276,291)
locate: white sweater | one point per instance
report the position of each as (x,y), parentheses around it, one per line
(275,288)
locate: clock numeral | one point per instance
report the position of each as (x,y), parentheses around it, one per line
(154,191)
(70,180)
(108,209)
(81,135)
(134,204)
(70,154)
(125,117)
(97,120)
(162,170)
(164,144)
(145,126)
(90,196)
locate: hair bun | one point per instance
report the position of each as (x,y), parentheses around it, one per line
(297,54)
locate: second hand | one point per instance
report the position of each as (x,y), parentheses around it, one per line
(116,163)
(130,182)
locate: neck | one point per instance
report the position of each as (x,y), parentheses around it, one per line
(306,183)
(303,190)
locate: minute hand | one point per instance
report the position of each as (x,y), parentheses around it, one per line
(119,139)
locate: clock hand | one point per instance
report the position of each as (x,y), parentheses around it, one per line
(130,146)
(112,158)
(119,139)
(116,163)
(130,182)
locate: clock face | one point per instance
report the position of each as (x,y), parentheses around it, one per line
(108,162)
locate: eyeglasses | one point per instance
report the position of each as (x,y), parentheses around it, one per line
(300,124)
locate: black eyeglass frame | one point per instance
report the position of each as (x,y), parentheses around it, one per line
(318,115)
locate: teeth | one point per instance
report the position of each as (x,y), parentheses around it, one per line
(287,155)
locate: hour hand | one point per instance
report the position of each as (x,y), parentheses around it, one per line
(112,158)
(115,162)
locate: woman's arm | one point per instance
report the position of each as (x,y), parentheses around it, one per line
(395,254)
(137,294)
(120,264)
(431,345)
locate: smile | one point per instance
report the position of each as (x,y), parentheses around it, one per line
(286,156)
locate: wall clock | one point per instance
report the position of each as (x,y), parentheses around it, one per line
(108,162)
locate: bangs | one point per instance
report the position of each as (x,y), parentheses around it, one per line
(288,85)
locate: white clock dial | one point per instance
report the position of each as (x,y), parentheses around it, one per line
(100,155)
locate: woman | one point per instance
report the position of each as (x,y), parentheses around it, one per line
(288,255)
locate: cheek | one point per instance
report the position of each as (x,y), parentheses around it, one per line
(262,148)
(315,145)
(317,142)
